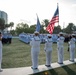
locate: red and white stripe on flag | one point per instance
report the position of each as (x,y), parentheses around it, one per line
(54,19)
(50,26)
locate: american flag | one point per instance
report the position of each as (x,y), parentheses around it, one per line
(54,20)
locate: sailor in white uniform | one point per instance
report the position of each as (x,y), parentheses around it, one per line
(48,50)
(60,48)
(72,47)
(35,48)
(0,51)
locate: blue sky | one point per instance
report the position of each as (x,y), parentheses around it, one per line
(25,10)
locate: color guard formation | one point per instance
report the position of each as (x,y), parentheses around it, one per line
(35,49)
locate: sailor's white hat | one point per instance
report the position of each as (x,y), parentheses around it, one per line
(73,34)
(49,35)
(61,33)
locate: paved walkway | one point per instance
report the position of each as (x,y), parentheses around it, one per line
(28,70)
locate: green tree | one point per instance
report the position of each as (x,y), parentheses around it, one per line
(32,28)
(22,27)
(69,28)
(45,22)
(2,24)
(13,32)
(57,29)
(11,24)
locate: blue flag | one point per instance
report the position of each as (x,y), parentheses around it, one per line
(38,25)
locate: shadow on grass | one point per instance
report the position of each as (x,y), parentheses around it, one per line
(47,72)
(69,70)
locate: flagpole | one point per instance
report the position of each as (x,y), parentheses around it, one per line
(58,10)
(63,26)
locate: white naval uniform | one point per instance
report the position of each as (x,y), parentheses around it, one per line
(0,53)
(72,48)
(35,48)
(60,48)
(48,50)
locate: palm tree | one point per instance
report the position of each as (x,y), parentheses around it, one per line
(11,24)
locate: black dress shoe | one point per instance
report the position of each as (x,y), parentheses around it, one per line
(34,68)
(1,70)
(60,63)
(71,60)
(47,65)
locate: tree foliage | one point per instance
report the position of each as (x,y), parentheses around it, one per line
(70,28)
(11,24)
(45,22)
(2,24)
(24,27)
(57,29)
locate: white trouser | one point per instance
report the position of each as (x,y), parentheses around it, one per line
(0,54)
(48,57)
(72,53)
(34,55)
(0,66)
(60,55)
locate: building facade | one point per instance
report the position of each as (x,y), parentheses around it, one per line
(4,16)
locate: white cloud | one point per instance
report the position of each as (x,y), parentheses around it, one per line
(73,5)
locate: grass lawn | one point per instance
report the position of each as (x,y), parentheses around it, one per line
(18,53)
